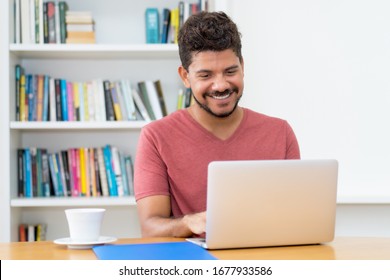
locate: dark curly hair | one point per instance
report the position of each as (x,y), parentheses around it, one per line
(208,31)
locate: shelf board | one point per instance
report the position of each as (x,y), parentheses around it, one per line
(95,51)
(73,201)
(112,125)
(363,199)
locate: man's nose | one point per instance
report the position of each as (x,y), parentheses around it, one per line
(220,83)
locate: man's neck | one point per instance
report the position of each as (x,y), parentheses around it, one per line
(221,128)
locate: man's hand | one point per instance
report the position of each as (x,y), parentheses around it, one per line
(196,223)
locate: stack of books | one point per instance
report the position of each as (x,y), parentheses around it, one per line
(32,232)
(80,27)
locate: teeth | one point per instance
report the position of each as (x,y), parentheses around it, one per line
(221,96)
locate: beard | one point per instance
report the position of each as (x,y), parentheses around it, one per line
(211,94)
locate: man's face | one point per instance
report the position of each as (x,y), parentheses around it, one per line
(216,80)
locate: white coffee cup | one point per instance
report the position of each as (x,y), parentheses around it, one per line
(84,223)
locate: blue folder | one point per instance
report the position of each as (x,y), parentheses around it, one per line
(153,251)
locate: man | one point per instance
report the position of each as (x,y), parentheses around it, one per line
(174,152)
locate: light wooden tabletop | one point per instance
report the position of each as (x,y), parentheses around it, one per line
(342,248)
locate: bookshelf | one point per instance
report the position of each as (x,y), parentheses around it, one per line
(119,52)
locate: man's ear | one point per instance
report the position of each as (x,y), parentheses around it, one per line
(184,76)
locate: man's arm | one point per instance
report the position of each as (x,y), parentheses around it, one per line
(155,217)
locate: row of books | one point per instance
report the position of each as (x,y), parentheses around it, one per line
(32,232)
(90,172)
(51,22)
(39,22)
(43,98)
(163,28)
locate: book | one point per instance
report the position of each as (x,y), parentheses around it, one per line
(18,73)
(129,173)
(30,233)
(57,22)
(110,115)
(52,100)
(91,101)
(121,100)
(53,174)
(111,182)
(143,93)
(78,17)
(102,172)
(125,182)
(76,102)
(22,102)
(32,22)
(77,173)
(63,7)
(40,81)
(161,98)
(22,233)
(83,178)
(64,163)
(51,22)
(39,184)
(45,173)
(80,93)
(64,99)
(115,102)
(28,192)
(45,24)
(59,173)
(17,28)
(25,22)
(70,101)
(128,99)
(152,25)
(88,190)
(174,26)
(154,99)
(57,94)
(21,176)
(97,186)
(116,168)
(40,28)
(77,27)
(166,14)
(100,111)
(140,105)
(46,93)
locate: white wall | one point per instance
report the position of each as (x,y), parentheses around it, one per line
(325,67)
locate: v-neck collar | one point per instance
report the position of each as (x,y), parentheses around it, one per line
(211,135)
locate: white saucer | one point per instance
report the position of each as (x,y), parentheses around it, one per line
(84,245)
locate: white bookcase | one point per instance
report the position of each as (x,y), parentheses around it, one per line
(120,52)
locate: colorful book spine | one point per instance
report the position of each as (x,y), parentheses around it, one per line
(152,23)
(64,99)
(28,186)
(83,179)
(46,93)
(69,90)
(110,173)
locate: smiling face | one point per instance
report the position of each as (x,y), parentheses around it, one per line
(216,81)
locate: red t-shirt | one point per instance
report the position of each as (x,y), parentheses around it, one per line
(173,154)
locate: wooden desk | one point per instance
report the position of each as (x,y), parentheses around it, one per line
(342,248)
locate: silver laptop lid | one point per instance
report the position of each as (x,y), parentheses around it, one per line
(270,203)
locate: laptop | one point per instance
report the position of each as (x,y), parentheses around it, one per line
(261,203)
